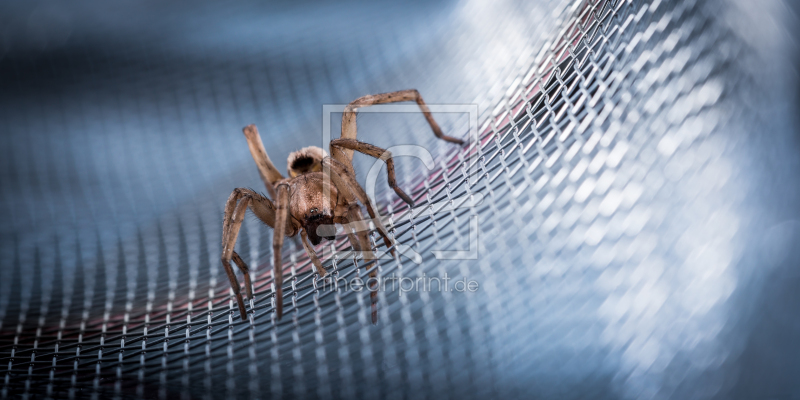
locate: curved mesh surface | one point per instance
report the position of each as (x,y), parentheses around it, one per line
(631,191)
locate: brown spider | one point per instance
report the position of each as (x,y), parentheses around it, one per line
(306,203)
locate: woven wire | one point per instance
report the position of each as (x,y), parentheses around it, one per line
(612,160)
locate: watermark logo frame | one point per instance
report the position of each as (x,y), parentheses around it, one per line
(422,154)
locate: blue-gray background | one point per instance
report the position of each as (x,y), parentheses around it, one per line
(121,126)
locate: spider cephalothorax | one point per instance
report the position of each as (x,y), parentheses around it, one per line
(320,191)
(310,209)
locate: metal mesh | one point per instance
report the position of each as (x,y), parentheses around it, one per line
(639,195)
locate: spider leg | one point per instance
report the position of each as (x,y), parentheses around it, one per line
(349,129)
(248,285)
(234,215)
(346,183)
(379,153)
(360,239)
(277,242)
(269,174)
(312,254)
(351,237)
(235,208)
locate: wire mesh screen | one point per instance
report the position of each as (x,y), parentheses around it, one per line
(629,201)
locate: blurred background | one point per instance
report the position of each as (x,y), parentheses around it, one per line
(639,165)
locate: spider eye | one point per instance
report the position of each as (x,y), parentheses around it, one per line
(314,210)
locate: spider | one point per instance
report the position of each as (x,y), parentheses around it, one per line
(307,204)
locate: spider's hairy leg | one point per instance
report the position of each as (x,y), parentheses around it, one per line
(346,183)
(379,153)
(235,208)
(248,285)
(269,174)
(361,241)
(312,254)
(349,128)
(281,217)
